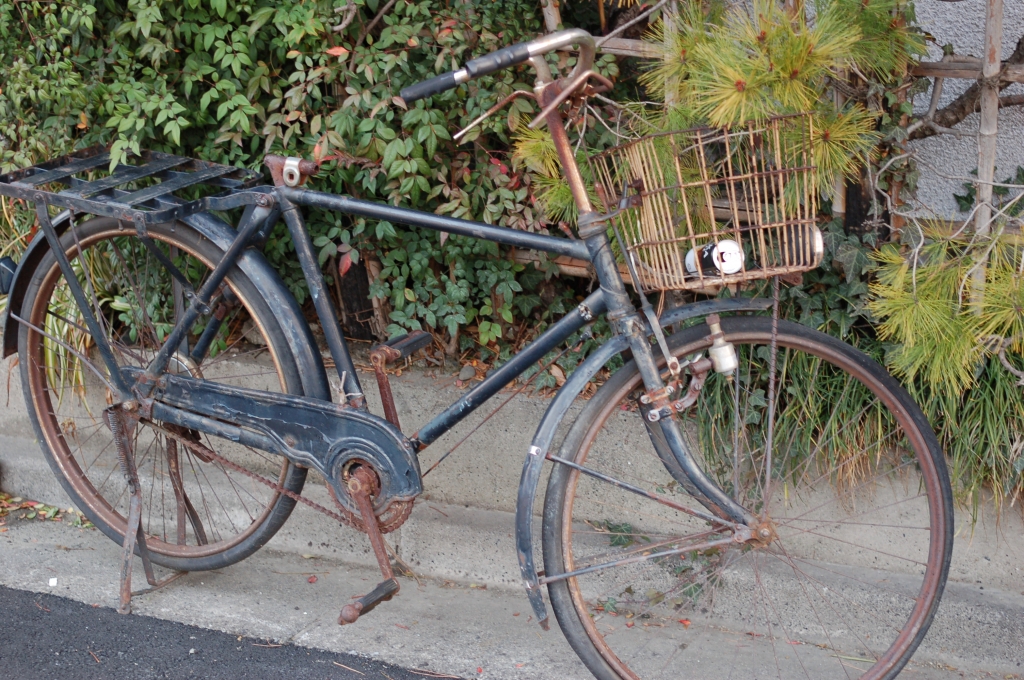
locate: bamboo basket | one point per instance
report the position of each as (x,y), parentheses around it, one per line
(696,190)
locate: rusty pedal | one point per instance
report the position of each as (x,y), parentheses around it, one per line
(388,352)
(362,484)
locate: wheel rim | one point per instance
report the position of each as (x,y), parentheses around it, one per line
(799,547)
(228,506)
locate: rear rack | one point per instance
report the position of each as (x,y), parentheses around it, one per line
(226,186)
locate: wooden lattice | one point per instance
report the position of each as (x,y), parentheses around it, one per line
(752,184)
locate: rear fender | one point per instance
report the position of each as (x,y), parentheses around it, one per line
(552,421)
(30,260)
(252,263)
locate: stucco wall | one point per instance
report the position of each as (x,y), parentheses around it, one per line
(945,159)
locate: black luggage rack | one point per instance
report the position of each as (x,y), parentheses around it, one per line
(228,187)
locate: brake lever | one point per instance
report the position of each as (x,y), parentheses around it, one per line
(491,111)
(570,90)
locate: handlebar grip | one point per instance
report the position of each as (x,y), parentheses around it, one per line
(421,90)
(497,60)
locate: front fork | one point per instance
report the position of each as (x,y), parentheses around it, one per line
(709,493)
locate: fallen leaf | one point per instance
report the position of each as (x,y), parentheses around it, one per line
(308,556)
(344,264)
(558,374)
(629,624)
(479,670)
(398,625)
(337,51)
(311,579)
(685,622)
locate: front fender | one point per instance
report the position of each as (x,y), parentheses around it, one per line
(251,262)
(552,420)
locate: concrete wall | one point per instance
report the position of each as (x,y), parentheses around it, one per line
(946,161)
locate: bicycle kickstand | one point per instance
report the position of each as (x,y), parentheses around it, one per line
(133,535)
(361,485)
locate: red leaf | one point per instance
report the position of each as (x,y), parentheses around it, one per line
(685,622)
(338,51)
(344,264)
(479,670)
(312,579)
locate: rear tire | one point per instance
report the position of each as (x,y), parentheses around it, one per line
(232,515)
(859,505)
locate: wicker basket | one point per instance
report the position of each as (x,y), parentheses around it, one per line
(706,207)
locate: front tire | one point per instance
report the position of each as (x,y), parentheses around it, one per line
(859,504)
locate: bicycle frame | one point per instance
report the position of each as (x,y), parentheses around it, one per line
(264,204)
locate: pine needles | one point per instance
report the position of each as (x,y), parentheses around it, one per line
(947,352)
(725,67)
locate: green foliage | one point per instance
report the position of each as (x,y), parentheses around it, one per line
(726,67)
(1004,198)
(955,356)
(229,81)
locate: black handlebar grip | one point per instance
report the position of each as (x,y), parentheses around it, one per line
(445,81)
(495,61)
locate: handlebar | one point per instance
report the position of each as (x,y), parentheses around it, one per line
(505,57)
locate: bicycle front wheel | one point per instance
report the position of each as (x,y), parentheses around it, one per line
(847,478)
(199,511)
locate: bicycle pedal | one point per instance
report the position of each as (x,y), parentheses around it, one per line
(385,590)
(389,352)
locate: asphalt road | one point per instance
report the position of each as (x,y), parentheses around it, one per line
(45,637)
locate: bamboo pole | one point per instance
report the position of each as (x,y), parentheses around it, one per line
(987,134)
(552,17)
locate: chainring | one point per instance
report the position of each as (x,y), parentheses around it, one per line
(389,519)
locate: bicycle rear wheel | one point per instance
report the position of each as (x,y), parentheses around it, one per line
(199,512)
(858,507)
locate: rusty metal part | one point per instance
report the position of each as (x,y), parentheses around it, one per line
(391,351)
(380,357)
(181,499)
(276,165)
(384,590)
(389,519)
(762,534)
(569,90)
(134,537)
(698,374)
(361,485)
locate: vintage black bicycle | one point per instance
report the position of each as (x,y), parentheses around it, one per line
(743,484)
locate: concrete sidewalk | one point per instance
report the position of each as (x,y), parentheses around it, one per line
(459,536)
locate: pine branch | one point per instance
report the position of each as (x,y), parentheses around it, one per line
(969,102)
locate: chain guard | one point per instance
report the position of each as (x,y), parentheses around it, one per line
(326,437)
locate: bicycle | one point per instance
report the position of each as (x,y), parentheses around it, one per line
(686,506)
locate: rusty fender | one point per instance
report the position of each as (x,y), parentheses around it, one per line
(552,419)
